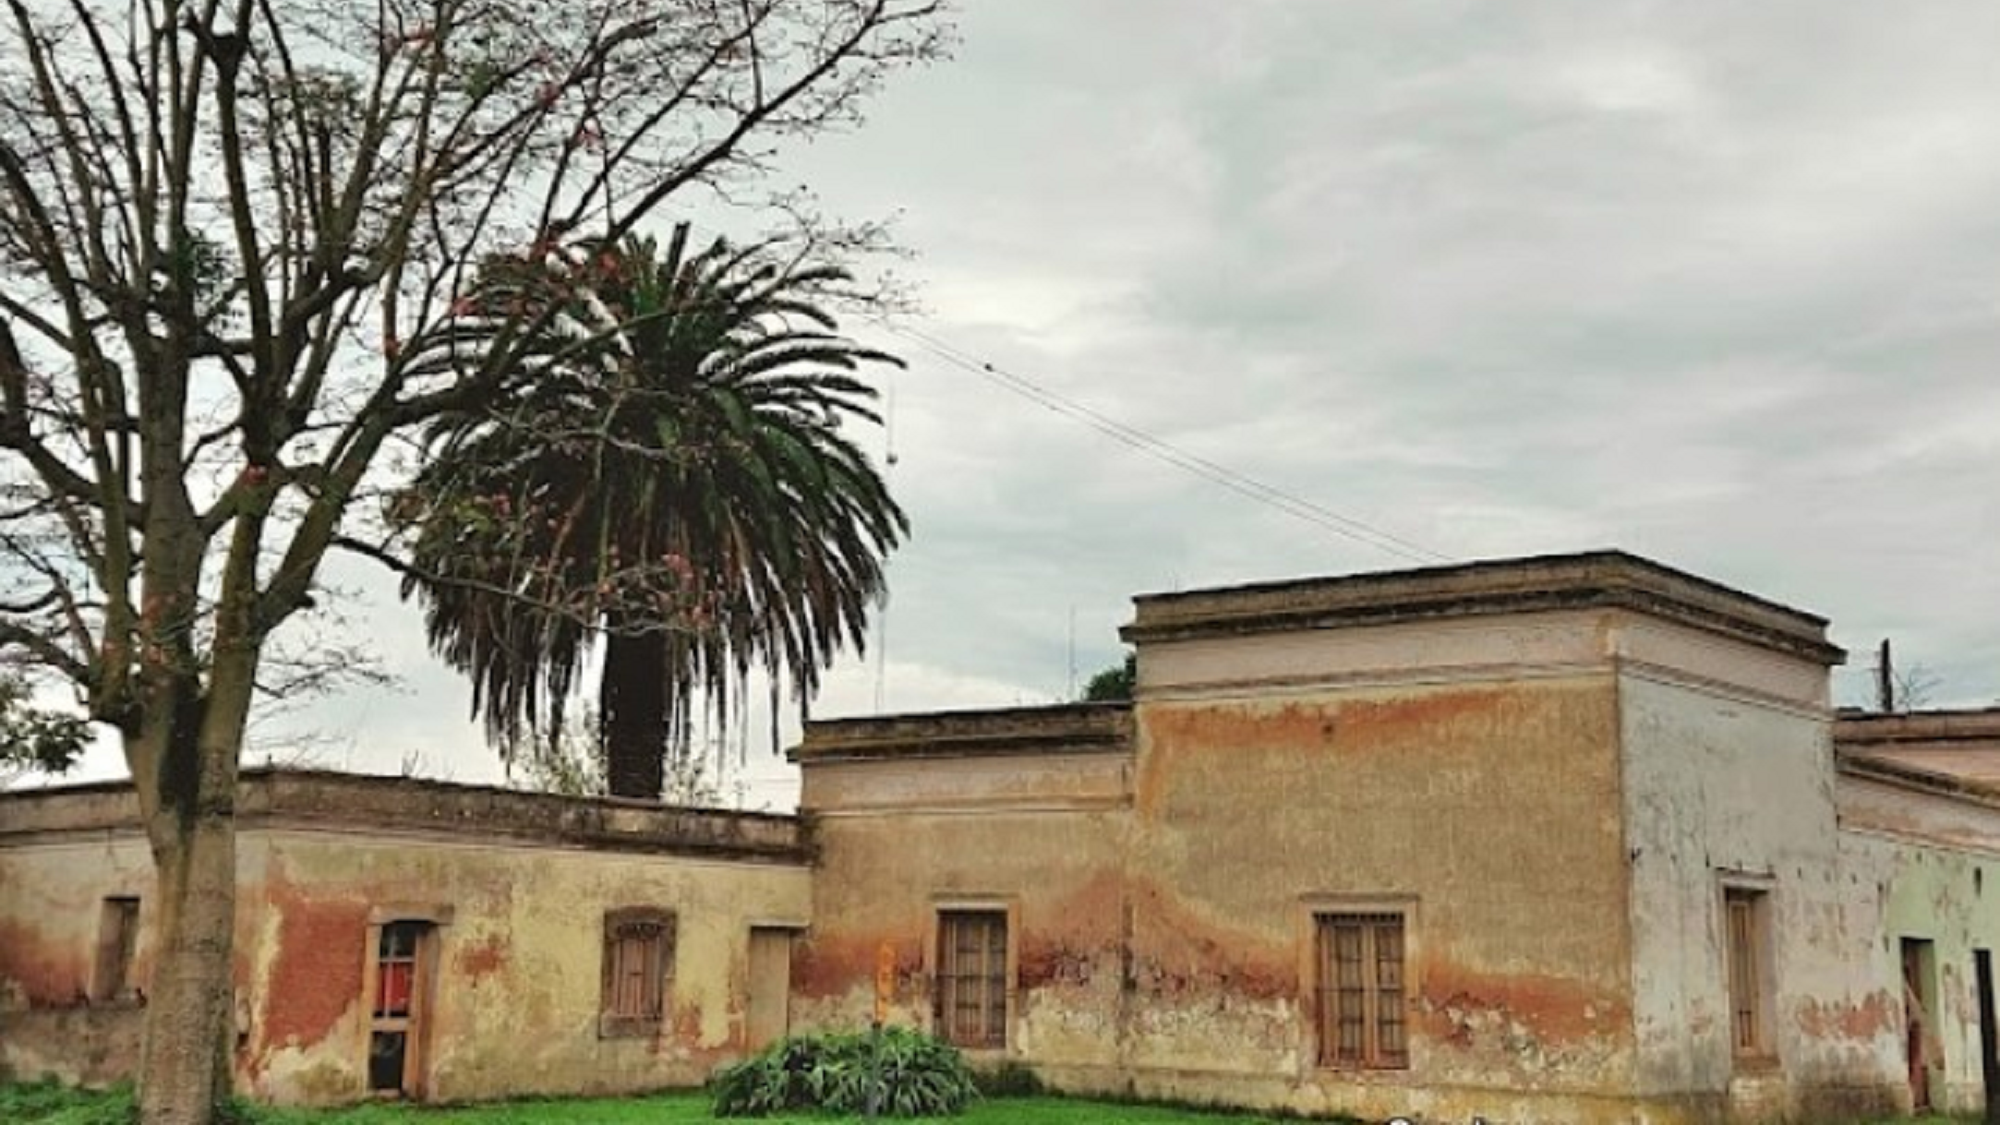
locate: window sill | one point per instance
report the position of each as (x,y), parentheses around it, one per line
(990,1051)
(628,1027)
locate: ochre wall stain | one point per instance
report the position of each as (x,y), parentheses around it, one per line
(47,974)
(483,959)
(316,969)
(1555,1010)
(1866,1019)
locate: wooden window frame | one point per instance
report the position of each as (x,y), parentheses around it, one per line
(661,948)
(1749,981)
(417,1022)
(1381,984)
(1007,912)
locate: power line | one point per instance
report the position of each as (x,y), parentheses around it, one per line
(1290,503)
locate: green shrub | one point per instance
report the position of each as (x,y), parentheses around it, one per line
(911,1074)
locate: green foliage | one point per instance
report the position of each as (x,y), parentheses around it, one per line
(45,1103)
(680,482)
(912,1075)
(48,1102)
(31,738)
(1114,683)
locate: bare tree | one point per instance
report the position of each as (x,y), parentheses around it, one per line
(235,239)
(1901,689)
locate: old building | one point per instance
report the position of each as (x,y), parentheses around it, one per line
(1574,838)
(1920,815)
(415,938)
(1550,839)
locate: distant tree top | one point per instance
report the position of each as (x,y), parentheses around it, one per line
(1114,683)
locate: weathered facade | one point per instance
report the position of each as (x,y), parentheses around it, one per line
(1551,839)
(1920,819)
(1570,839)
(417,939)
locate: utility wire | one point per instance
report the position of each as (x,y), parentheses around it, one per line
(1291,504)
(1270,495)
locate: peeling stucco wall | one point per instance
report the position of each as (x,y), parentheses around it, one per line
(1729,780)
(1930,861)
(520,886)
(49,916)
(1037,829)
(1164,894)
(522,950)
(1547,767)
(1441,774)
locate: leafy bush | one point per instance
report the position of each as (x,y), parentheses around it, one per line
(911,1074)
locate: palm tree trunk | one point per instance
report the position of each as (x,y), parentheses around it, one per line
(632,703)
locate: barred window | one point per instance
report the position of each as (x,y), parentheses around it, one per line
(971,994)
(1360,991)
(638,970)
(1745,919)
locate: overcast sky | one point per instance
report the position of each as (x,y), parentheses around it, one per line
(1716,283)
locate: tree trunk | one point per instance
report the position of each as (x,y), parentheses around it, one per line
(186,767)
(632,705)
(184,1069)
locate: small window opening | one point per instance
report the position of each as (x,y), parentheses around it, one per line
(117,941)
(638,971)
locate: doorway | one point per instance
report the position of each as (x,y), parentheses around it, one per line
(1919,1001)
(769,1017)
(1989,1034)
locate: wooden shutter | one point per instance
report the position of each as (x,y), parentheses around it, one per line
(972,978)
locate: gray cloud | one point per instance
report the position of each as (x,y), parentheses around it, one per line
(1717,283)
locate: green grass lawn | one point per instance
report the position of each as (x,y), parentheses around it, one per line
(682,1109)
(47,1105)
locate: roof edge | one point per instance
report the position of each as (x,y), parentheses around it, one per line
(278,797)
(1063,728)
(1545,583)
(1916,779)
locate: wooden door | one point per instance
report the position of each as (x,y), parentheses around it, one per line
(769,1016)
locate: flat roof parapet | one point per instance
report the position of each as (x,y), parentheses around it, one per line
(1062,728)
(319,799)
(1546,583)
(1971,726)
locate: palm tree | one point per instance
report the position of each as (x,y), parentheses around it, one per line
(672,477)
